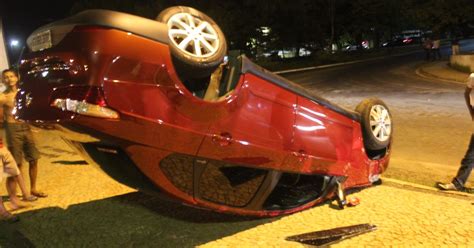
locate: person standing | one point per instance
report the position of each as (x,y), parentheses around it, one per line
(467,162)
(435,48)
(427,46)
(19,136)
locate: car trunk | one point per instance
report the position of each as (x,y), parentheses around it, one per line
(60,82)
(40,78)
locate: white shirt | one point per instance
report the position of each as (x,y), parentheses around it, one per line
(436,44)
(470,84)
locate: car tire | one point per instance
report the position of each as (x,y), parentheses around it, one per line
(376,124)
(196,42)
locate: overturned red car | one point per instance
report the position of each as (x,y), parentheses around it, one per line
(160,106)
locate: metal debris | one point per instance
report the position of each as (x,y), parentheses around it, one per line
(340,193)
(331,236)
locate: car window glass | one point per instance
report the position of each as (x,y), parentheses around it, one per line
(220,84)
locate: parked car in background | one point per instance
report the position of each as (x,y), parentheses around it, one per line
(154,104)
(401,42)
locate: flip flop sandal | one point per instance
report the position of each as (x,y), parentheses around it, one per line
(40,194)
(30,198)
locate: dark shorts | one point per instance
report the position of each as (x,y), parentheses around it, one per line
(20,142)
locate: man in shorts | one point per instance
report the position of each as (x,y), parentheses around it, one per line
(18,134)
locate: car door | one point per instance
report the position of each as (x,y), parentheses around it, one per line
(252,134)
(165,123)
(322,140)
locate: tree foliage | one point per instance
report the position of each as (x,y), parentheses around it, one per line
(313,24)
(442,15)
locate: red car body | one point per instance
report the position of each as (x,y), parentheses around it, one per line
(230,155)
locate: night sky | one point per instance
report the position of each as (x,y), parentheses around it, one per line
(20,18)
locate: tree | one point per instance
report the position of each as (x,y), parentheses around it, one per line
(374,19)
(442,15)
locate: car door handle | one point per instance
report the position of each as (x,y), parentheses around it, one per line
(300,155)
(223,139)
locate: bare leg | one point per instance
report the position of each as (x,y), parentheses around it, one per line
(11,188)
(3,210)
(24,190)
(33,174)
(5,215)
(33,177)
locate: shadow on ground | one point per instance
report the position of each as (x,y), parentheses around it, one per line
(67,162)
(133,219)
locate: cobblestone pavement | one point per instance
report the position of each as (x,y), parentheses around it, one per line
(86,208)
(65,176)
(404,216)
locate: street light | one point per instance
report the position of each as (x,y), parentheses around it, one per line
(15,50)
(14,43)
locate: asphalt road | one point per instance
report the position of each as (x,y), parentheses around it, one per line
(375,77)
(431,124)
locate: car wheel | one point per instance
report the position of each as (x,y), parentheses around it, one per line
(196,42)
(376,124)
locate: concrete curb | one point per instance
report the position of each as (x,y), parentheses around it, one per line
(423,187)
(424,74)
(341,64)
(347,63)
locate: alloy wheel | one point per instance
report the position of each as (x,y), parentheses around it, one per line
(380,123)
(192,35)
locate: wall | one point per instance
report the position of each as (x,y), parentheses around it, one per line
(3,52)
(3,57)
(463,60)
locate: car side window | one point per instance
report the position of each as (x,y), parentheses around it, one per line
(222,81)
(231,75)
(213,88)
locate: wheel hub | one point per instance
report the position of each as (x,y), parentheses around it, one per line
(380,123)
(192,35)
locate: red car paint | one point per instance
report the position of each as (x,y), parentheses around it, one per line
(260,125)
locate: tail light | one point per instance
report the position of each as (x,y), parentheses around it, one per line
(83,100)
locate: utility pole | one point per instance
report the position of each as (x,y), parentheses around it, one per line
(332,13)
